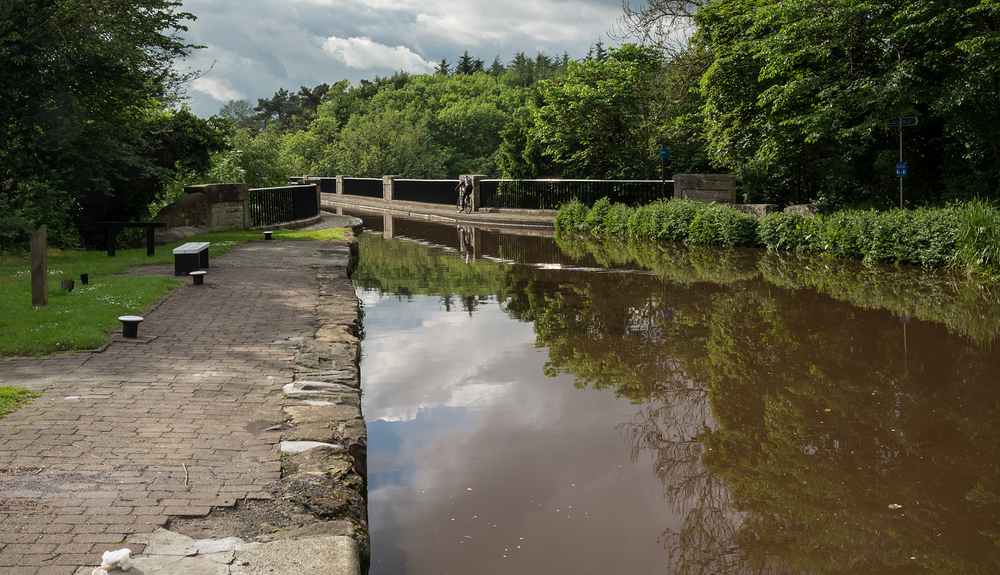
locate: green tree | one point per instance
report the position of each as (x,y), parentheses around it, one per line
(386,143)
(496,68)
(443,68)
(83,84)
(254,160)
(799,93)
(239,112)
(462,114)
(597,122)
(465,64)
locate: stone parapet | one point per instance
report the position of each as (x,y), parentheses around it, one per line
(215,207)
(706,188)
(808,209)
(759,210)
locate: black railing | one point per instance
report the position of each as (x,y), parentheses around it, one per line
(364,187)
(270,206)
(326,185)
(551,194)
(427,191)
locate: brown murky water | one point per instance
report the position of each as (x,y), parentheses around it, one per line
(540,405)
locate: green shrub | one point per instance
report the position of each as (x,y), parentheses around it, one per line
(674,219)
(642,222)
(846,234)
(977,242)
(934,236)
(616,220)
(722,225)
(739,229)
(595,218)
(704,229)
(787,231)
(571,216)
(965,236)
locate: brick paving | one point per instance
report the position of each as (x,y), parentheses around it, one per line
(172,423)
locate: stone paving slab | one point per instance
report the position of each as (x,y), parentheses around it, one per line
(182,421)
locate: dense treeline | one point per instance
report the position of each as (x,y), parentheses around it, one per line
(791,96)
(433,126)
(794,97)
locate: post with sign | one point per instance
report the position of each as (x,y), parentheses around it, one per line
(664,156)
(901,168)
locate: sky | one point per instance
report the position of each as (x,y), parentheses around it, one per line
(253,48)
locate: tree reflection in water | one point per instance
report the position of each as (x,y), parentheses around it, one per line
(776,397)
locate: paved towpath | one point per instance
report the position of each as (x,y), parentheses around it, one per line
(181,419)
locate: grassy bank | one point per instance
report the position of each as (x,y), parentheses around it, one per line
(965,237)
(83,318)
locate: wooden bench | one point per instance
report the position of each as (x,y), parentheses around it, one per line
(113,234)
(190,257)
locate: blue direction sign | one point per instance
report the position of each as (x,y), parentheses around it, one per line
(903,122)
(900,170)
(665,153)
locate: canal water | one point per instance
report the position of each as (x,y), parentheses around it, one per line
(540,404)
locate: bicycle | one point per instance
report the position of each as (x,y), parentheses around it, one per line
(465,202)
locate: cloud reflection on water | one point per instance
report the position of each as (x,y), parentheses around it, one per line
(479,463)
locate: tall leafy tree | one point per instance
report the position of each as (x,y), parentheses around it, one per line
(239,112)
(596,122)
(83,84)
(387,143)
(799,93)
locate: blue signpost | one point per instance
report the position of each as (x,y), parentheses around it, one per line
(901,169)
(664,156)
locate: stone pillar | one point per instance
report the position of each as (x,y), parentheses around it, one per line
(39,268)
(706,188)
(475,189)
(340,185)
(387,187)
(226,205)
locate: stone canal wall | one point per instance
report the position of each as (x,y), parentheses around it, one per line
(324,437)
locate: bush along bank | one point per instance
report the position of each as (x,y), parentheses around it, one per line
(964,236)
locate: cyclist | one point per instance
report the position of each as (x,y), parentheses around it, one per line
(464,189)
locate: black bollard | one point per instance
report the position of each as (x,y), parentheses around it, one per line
(130,325)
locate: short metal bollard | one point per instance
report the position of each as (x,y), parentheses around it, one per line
(130,325)
(267,235)
(199,277)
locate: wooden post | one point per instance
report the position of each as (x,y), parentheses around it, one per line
(39,268)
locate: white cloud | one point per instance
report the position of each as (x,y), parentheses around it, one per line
(218,88)
(366,54)
(256,47)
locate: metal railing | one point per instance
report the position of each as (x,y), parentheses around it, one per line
(270,206)
(364,187)
(426,191)
(326,185)
(551,194)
